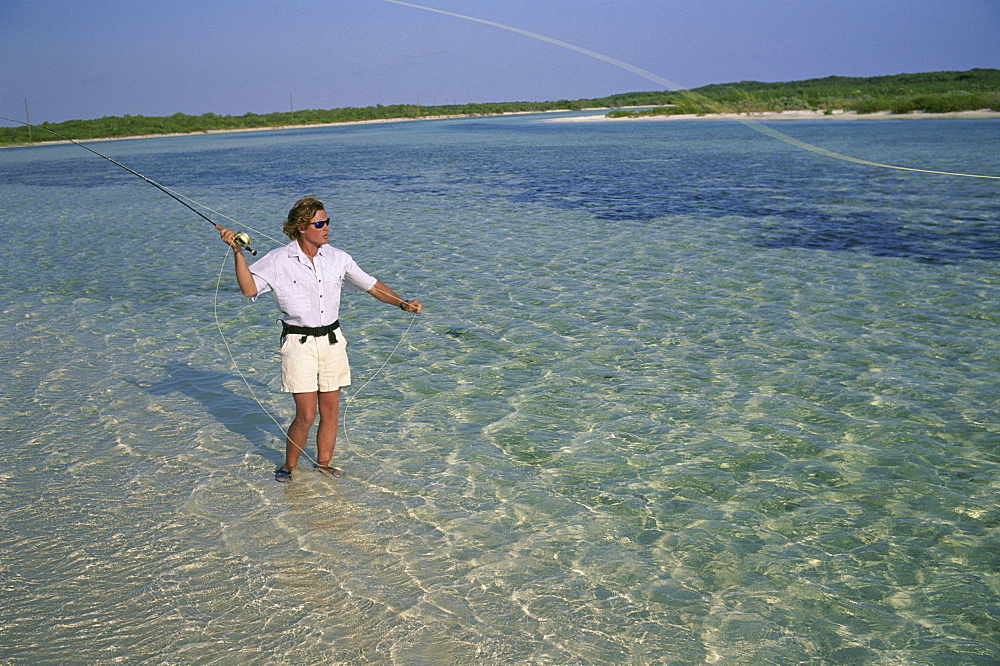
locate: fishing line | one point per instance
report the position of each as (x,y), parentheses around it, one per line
(670,85)
(218,325)
(349,400)
(244,241)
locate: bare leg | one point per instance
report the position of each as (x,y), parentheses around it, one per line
(326,434)
(298,431)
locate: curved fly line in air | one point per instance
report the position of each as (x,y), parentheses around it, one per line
(670,85)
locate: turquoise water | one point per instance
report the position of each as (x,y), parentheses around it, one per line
(681,394)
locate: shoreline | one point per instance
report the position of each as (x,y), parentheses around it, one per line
(803,114)
(340,123)
(758,116)
(225,131)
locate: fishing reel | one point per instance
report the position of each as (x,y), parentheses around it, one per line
(243,241)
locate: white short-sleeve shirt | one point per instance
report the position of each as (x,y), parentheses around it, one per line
(308,292)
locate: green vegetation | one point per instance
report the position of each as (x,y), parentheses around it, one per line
(932,92)
(937,92)
(180,123)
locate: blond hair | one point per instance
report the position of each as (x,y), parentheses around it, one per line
(301,215)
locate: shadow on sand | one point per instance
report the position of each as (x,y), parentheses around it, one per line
(239,414)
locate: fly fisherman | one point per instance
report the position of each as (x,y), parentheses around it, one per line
(307,276)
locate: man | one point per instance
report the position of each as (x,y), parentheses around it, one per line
(306,277)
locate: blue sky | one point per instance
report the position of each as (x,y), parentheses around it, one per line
(92,58)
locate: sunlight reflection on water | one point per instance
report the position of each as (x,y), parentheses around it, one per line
(678,396)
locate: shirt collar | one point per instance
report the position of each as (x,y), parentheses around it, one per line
(295,250)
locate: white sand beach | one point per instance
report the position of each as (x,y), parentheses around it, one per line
(787,115)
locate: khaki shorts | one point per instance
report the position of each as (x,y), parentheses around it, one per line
(314,365)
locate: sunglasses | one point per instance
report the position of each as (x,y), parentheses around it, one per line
(321,223)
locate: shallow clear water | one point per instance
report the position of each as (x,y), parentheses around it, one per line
(681,394)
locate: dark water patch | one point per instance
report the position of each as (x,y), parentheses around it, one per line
(639,173)
(880,235)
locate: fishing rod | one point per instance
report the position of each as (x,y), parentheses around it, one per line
(242,239)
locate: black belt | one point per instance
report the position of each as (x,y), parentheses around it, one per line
(307,332)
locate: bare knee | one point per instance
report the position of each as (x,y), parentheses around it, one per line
(304,418)
(329,404)
(305,409)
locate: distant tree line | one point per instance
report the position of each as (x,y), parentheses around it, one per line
(938,92)
(931,92)
(181,123)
